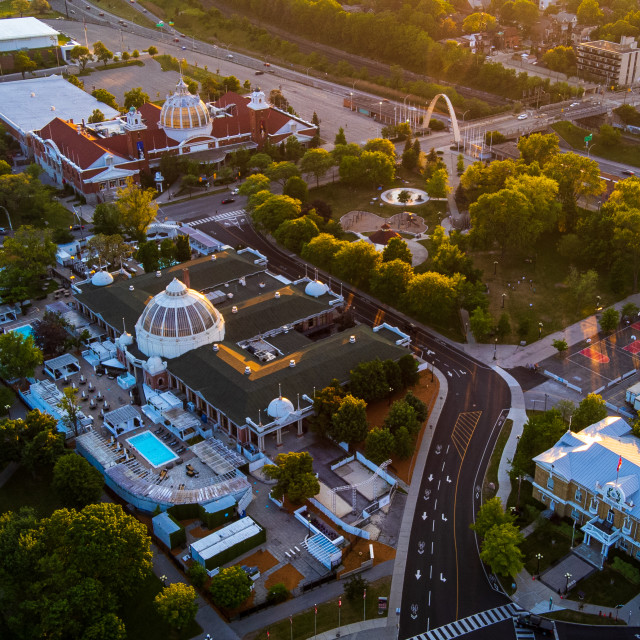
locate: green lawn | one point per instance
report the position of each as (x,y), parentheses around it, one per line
(492,470)
(6,11)
(624,152)
(327,615)
(607,588)
(142,621)
(568,615)
(23,490)
(123,9)
(548,540)
(550,303)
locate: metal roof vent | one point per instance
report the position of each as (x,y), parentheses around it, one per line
(262,285)
(158,274)
(247,371)
(234,309)
(292,363)
(213,258)
(277,294)
(131,287)
(352,339)
(216,347)
(229,295)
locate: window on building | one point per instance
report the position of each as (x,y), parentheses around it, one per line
(575,514)
(610,516)
(543,498)
(550,483)
(578,495)
(623,544)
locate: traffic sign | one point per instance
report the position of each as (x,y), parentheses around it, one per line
(588,138)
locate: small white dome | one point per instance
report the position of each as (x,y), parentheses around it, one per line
(155,365)
(280,407)
(125,340)
(315,289)
(101,279)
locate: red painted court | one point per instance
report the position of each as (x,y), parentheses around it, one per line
(634,347)
(595,355)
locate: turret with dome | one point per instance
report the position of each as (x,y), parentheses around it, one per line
(178,320)
(184,115)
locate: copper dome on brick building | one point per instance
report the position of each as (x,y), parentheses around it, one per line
(184,115)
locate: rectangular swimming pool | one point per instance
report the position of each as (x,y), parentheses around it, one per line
(152,449)
(25,330)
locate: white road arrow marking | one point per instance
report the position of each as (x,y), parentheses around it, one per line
(421,546)
(450,374)
(414,611)
(444,517)
(430,478)
(448,479)
(424,516)
(442,578)
(418,574)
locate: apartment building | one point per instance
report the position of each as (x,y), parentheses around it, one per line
(610,63)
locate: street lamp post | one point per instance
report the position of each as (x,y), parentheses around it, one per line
(539,557)
(520,478)
(568,576)
(432,371)
(495,267)
(540,325)
(495,349)
(504,295)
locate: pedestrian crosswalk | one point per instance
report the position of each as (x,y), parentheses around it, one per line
(228,215)
(467,625)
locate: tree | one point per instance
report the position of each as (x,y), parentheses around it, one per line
(355,262)
(460,165)
(389,281)
(177,605)
(404,443)
(504,325)
(481,324)
(538,147)
(541,193)
(96,116)
(409,372)
(490,514)
(80,54)
(19,356)
(70,409)
(477,22)
(295,187)
(182,251)
(149,256)
(274,211)
(152,51)
(104,96)
(281,172)
(610,136)
(51,334)
(340,137)
(379,445)
(254,184)
(20,6)
(629,310)
(137,208)
(626,235)
(42,450)
(197,575)
(560,345)
(592,409)
(432,296)
(501,550)
(102,53)
(382,145)
(294,234)
(582,285)
(438,184)
(349,423)
(322,249)
(135,97)
(354,587)
(402,414)
(126,56)
(76,482)
(325,404)
(397,249)
(577,177)
(561,59)
(277,593)
(16,436)
(316,161)
(589,13)
(23,63)
(368,380)
(609,319)
(231,587)
(294,474)
(40,6)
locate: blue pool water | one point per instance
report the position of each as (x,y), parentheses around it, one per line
(25,330)
(152,449)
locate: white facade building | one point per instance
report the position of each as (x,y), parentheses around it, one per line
(26,33)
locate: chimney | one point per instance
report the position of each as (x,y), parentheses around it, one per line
(185,277)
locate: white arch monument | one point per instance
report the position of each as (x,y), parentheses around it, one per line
(452,113)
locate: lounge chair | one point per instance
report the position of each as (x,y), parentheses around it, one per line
(181,450)
(190,472)
(179,460)
(173,443)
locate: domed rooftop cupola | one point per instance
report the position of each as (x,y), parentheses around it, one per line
(315,289)
(184,115)
(178,320)
(101,279)
(280,407)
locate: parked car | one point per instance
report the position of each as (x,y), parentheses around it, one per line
(523,116)
(230,55)
(235,192)
(575,104)
(227,201)
(542,625)
(259,73)
(628,172)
